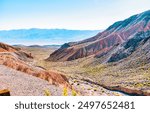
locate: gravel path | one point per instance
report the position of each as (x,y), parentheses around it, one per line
(21,84)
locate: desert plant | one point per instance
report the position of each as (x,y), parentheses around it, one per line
(95,89)
(47,92)
(65,92)
(89,89)
(75,81)
(74,93)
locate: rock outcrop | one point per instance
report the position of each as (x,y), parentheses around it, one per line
(4,92)
(124,50)
(7,48)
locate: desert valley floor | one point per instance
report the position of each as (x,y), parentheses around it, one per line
(87,76)
(75,72)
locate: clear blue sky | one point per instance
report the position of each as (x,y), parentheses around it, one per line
(68,14)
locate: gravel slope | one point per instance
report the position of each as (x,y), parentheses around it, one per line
(21,84)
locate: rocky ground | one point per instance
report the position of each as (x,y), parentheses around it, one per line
(21,84)
(88,89)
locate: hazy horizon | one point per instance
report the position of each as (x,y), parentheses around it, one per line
(44,36)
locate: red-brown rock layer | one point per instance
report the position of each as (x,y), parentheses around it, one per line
(117,33)
(12,58)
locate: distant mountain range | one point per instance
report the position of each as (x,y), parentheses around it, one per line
(44,36)
(130,29)
(38,46)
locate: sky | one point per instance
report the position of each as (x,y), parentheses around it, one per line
(67,14)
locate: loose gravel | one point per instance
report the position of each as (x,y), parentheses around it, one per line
(22,84)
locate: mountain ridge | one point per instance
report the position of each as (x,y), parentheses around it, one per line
(117,33)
